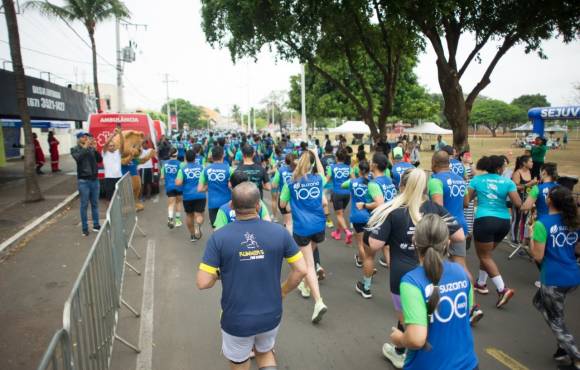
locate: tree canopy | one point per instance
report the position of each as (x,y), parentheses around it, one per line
(525,102)
(187,113)
(493,113)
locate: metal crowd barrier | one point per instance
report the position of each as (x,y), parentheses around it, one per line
(91,312)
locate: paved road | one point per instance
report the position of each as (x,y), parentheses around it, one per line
(185,322)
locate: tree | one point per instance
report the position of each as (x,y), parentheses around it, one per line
(493,113)
(236,114)
(525,102)
(316,34)
(443,23)
(89,13)
(186,112)
(32,190)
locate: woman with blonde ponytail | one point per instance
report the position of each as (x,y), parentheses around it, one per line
(393,224)
(436,299)
(305,194)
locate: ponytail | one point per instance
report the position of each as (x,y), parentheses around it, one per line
(431,240)
(563,201)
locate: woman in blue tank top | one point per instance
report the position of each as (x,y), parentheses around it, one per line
(304,193)
(554,244)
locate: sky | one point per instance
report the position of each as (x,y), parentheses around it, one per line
(174,43)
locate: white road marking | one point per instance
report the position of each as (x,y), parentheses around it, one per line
(145,358)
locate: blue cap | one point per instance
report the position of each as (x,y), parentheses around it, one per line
(82,133)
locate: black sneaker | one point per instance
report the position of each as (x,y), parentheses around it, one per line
(383,262)
(170,223)
(357,261)
(360,288)
(96,228)
(85,232)
(560,355)
(192,238)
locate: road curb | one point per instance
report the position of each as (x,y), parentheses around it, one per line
(14,238)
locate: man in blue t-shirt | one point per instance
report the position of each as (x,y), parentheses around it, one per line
(399,167)
(247,254)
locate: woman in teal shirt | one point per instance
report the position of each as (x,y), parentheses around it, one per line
(492,221)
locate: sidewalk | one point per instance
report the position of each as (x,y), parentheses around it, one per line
(14,213)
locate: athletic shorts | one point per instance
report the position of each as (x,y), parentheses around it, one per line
(238,349)
(194,205)
(303,241)
(458,249)
(109,186)
(359,227)
(174,193)
(146,175)
(212,215)
(340,201)
(282,210)
(490,229)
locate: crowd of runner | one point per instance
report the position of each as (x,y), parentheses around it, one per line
(419,224)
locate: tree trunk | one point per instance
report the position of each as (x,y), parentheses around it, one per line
(454,109)
(95,78)
(493,131)
(32,190)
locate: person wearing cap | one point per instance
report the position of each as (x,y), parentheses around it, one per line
(399,166)
(455,165)
(440,143)
(87,157)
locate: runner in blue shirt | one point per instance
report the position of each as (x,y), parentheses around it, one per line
(539,193)
(554,244)
(399,167)
(436,297)
(337,174)
(304,193)
(327,160)
(492,221)
(248,254)
(215,181)
(193,201)
(172,190)
(281,177)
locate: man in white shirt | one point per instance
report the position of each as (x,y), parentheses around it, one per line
(112,163)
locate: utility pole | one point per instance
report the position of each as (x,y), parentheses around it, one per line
(119,66)
(167,81)
(303,104)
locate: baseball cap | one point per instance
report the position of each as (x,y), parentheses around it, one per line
(448,149)
(82,133)
(398,152)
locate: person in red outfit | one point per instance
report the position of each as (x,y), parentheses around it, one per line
(53,148)
(38,154)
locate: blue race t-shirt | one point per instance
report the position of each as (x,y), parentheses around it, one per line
(397,171)
(130,168)
(453,189)
(190,174)
(170,171)
(559,266)
(217,177)
(448,328)
(305,197)
(456,167)
(492,190)
(359,193)
(249,256)
(339,173)
(285,173)
(387,187)
(540,192)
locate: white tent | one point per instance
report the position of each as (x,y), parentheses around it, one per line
(556,128)
(524,128)
(428,128)
(351,127)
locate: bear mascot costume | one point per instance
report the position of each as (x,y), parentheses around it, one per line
(131,149)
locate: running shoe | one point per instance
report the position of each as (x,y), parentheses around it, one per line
(481,289)
(170,223)
(475,314)
(398,360)
(504,297)
(357,261)
(320,272)
(329,224)
(360,288)
(96,228)
(383,262)
(85,232)
(319,311)
(537,284)
(192,238)
(178,222)
(348,237)
(560,355)
(336,234)
(304,290)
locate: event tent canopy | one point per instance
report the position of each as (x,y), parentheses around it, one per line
(524,128)
(351,127)
(428,128)
(556,128)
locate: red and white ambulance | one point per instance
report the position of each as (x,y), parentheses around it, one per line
(102,126)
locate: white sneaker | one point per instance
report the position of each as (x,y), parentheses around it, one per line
(537,284)
(319,311)
(391,354)
(304,290)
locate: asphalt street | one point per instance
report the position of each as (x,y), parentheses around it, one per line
(179,328)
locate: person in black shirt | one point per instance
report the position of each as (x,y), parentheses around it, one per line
(87,157)
(255,172)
